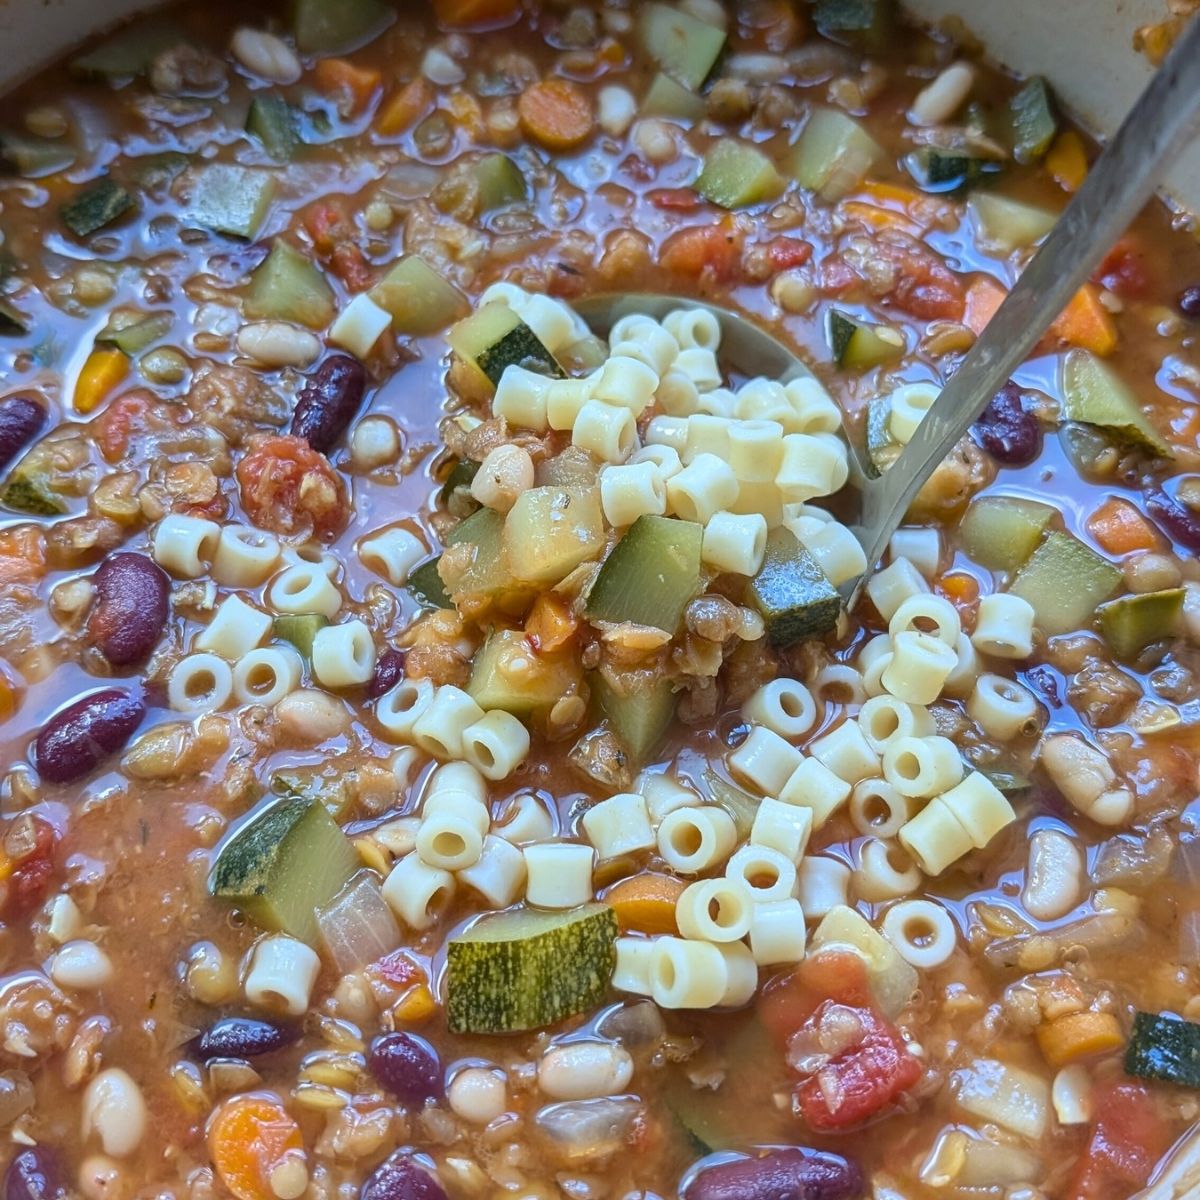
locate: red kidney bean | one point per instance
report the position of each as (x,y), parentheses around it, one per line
(1178,522)
(1006,431)
(401,1178)
(797,1174)
(33,1175)
(21,420)
(130,610)
(389,670)
(329,401)
(407,1066)
(1189,301)
(82,735)
(244,1037)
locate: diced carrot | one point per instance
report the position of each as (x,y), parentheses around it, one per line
(1119,528)
(22,554)
(895,195)
(254,1144)
(352,85)
(1078,1035)
(471,14)
(416,1006)
(406,107)
(691,252)
(961,589)
(550,624)
(1086,323)
(1067,162)
(350,265)
(984,297)
(1124,270)
(104,369)
(9,699)
(464,110)
(645,903)
(879,218)
(556,114)
(676,198)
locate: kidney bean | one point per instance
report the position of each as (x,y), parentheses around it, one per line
(130,610)
(244,1037)
(1189,301)
(33,1175)
(329,400)
(797,1174)
(407,1066)
(21,420)
(1178,522)
(1012,436)
(401,1178)
(389,670)
(84,734)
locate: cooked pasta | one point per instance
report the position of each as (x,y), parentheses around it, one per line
(558,874)
(619,825)
(417,893)
(1002,708)
(693,327)
(199,683)
(398,710)
(734,544)
(521,399)
(244,556)
(439,729)
(922,766)
(304,588)
(883,719)
(893,585)
(715,910)
(1004,626)
(448,840)
(822,885)
(922,932)
(625,382)
(281,975)
(605,430)
(784,828)
(704,487)
(265,676)
(687,974)
(184,545)
(235,630)
(344,655)
(497,744)
(921,664)
(922,547)
(846,752)
(765,760)
(693,840)
(877,809)
(884,872)
(755,450)
(777,932)
(813,785)
(498,874)
(921,612)
(909,404)
(812,408)
(784,706)
(392,553)
(633,970)
(768,874)
(632,490)
(707,434)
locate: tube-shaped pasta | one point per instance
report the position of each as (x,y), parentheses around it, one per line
(762,399)
(521,399)
(909,404)
(962,678)
(935,838)
(846,752)
(759,499)
(768,874)
(608,432)
(626,383)
(979,807)
(244,556)
(921,664)
(734,544)
(873,650)
(765,760)
(498,875)
(839,683)
(813,410)
(693,327)
(448,841)
(920,612)
(813,785)
(664,460)
(716,402)
(707,434)
(784,828)
(344,655)
(777,933)
(1004,626)
(755,450)
(619,825)
(392,553)
(418,893)
(460,805)
(311,554)
(822,884)
(1002,708)
(558,874)
(677,395)
(893,585)
(235,630)
(687,974)
(265,676)
(199,683)
(525,819)
(784,706)
(398,710)
(668,431)
(922,547)
(704,487)
(645,339)
(565,399)
(692,840)
(807,468)
(715,910)
(439,729)
(183,545)
(741,974)
(837,551)
(630,491)
(497,744)
(632,973)
(883,719)
(455,779)
(884,872)
(281,976)
(304,588)
(663,794)
(701,367)
(922,932)
(877,809)
(922,766)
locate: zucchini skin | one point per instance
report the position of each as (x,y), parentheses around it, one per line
(1164,1048)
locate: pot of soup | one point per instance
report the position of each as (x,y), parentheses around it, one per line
(438,762)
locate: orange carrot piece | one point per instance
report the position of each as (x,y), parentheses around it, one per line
(556,114)
(984,297)
(898,195)
(1078,1035)
(22,554)
(961,589)
(646,903)
(406,107)
(354,86)
(1067,162)
(550,624)
(469,14)
(879,218)
(104,369)
(253,1141)
(1119,528)
(1086,323)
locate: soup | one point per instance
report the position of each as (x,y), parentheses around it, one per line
(438,760)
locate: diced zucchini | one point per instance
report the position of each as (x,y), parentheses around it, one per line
(639,706)
(1131,623)
(792,593)
(287,286)
(1010,224)
(650,575)
(130,51)
(33,157)
(489,579)
(300,629)
(12,319)
(231,199)
(1164,1048)
(1001,532)
(529,968)
(866,24)
(892,980)
(336,26)
(549,531)
(335,791)
(494,338)
(684,46)
(1033,121)
(1095,395)
(1065,581)
(736,175)
(857,346)
(28,491)
(946,170)
(282,864)
(272,120)
(510,675)
(882,447)
(458,483)
(668,98)
(96,207)
(426,585)
(420,300)
(501,182)
(834,154)
(138,333)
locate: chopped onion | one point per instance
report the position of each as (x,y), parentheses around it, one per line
(582,1129)
(1189,938)
(1130,861)
(991,1164)
(358,927)
(1014,1098)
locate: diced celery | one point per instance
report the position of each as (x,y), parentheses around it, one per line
(1095,395)
(96,207)
(136,334)
(669,98)
(1033,121)
(858,346)
(289,287)
(420,300)
(549,531)
(336,26)
(130,51)
(272,120)
(792,593)
(834,154)
(639,706)
(684,46)
(1010,224)
(1132,623)
(650,575)
(866,24)
(501,182)
(1065,581)
(1001,532)
(509,674)
(736,175)
(232,199)
(300,629)
(33,157)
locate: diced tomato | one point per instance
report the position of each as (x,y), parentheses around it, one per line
(788,1001)
(674,199)
(349,264)
(1128,1139)
(703,249)
(925,286)
(326,225)
(287,487)
(119,421)
(30,875)
(838,276)
(399,969)
(1124,270)
(787,252)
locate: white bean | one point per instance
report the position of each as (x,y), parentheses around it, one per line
(102,1178)
(278,344)
(941,99)
(113,1110)
(616,110)
(1086,778)
(311,716)
(584,1070)
(82,966)
(265,55)
(478,1095)
(375,442)
(1054,875)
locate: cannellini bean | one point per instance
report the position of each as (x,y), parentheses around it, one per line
(82,966)
(102,1178)
(942,98)
(278,344)
(375,442)
(265,55)
(616,110)
(756,68)
(1054,876)
(312,716)
(113,1110)
(584,1070)
(478,1095)
(656,141)
(1086,778)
